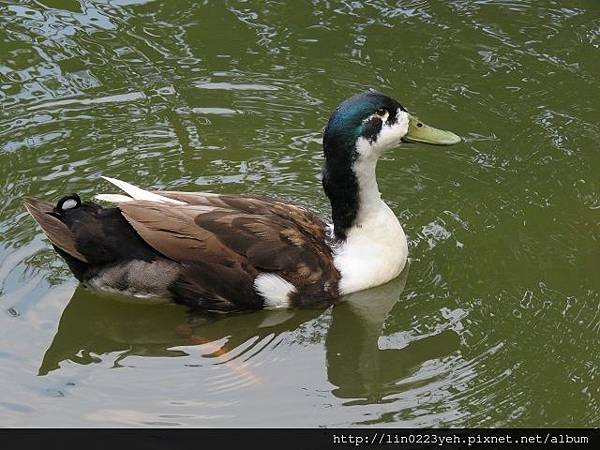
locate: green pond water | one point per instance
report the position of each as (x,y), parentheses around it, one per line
(496,322)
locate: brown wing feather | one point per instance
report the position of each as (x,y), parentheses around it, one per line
(171,230)
(253,205)
(251,233)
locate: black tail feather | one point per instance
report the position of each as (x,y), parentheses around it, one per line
(89,237)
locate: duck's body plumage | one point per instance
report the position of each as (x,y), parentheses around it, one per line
(208,251)
(228,252)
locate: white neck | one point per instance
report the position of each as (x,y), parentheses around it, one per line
(375,249)
(369,197)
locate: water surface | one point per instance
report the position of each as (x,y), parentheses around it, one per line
(495,323)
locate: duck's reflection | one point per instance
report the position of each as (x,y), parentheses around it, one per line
(356,365)
(93,325)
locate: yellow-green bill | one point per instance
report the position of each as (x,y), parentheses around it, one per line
(420,132)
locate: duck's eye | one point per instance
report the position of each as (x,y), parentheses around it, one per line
(381,112)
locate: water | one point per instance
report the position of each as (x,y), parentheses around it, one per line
(495,323)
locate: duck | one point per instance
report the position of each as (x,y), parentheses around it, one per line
(224,252)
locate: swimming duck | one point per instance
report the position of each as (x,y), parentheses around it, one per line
(235,252)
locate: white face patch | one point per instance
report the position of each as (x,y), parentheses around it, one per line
(376,115)
(389,136)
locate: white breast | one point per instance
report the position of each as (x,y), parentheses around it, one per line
(374,252)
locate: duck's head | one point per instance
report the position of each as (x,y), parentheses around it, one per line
(369,123)
(359,131)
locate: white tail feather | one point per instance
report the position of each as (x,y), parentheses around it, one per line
(140,194)
(113,198)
